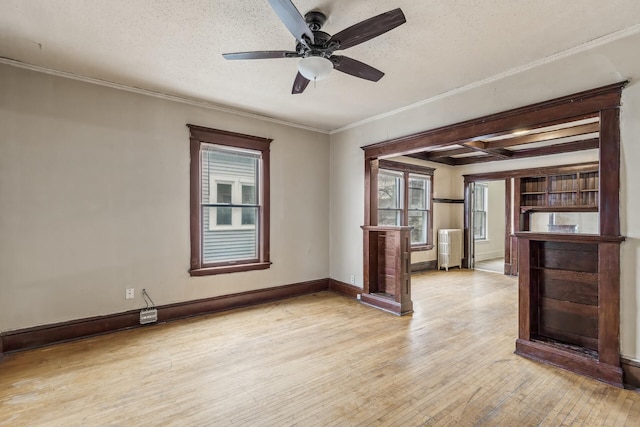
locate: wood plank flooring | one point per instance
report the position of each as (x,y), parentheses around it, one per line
(315,360)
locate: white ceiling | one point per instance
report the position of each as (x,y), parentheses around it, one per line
(175,47)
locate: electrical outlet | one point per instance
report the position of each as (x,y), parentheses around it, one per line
(359,296)
(353,279)
(130,293)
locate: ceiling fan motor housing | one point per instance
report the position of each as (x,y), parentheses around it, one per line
(315,20)
(321,46)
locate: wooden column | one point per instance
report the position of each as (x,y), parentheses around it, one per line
(387,268)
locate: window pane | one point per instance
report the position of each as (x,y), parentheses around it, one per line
(224,193)
(389,190)
(479,225)
(249,216)
(223,215)
(479,198)
(220,244)
(388,217)
(417,188)
(248,195)
(418,220)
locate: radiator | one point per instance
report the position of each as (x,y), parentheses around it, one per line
(449,248)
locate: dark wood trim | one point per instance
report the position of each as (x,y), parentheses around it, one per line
(39,336)
(199,135)
(440,200)
(207,271)
(570,237)
(609,174)
(609,303)
(344,289)
(546,136)
(507,227)
(466,250)
(371,170)
(541,171)
(631,370)
(265,237)
(421,248)
(570,361)
(549,150)
(424,266)
(405,167)
(232,139)
(576,106)
(194,204)
(382,303)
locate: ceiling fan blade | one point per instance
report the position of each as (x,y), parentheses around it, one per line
(299,84)
(265,54)
(292,19)
(356,68)
(369,28)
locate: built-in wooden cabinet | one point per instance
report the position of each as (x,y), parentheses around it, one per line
(569,302)
(387,274)
(576,191)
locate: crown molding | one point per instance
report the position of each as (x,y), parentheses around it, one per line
(155,94)
(618,35)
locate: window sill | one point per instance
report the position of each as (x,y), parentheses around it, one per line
(224,269)
(421,248)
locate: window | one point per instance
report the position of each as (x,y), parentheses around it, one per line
(404,198)
(390,198)
(419,204)
(480,202)
(229,202)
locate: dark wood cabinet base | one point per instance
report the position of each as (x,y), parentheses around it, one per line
(571,361)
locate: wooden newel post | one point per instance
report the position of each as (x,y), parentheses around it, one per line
(387,268)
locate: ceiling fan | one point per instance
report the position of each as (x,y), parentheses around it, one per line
(316,47)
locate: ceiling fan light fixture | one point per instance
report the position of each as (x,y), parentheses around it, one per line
(315,68)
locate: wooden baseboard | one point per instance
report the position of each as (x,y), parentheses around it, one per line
(40,336)
(631,370)
(424,266)
(345,289)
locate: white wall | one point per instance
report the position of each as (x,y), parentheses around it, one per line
(94,198)
(493,246)
(596,67)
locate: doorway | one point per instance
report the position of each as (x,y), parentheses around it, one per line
(488,225)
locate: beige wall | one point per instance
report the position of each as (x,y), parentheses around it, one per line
(94,198)
(599,66)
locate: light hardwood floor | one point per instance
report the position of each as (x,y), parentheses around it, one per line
(315,360)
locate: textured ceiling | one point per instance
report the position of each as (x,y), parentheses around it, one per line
(175,47)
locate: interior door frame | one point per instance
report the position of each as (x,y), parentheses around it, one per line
(510,262)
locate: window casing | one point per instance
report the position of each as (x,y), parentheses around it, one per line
(405,198)
(480,202)
(229,202)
